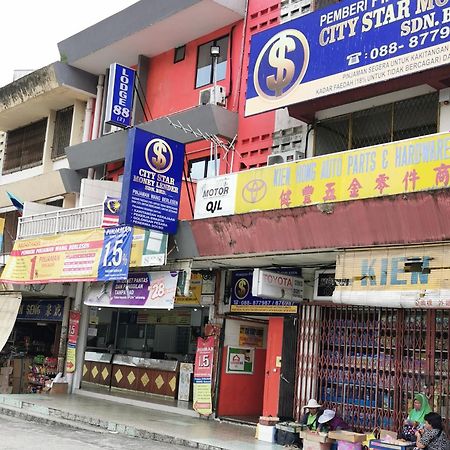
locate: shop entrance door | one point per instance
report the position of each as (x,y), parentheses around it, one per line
(287,375)
(273,367)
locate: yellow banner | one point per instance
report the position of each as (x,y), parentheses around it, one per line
(57,258)
(413,276)
(401,167)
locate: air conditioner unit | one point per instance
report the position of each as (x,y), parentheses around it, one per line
(285,157)
(213,96)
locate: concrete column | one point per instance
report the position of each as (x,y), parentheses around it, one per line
(63,337)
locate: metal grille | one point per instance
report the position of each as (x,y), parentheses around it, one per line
(367,363)
(417,116)
(63,128)
(25,147)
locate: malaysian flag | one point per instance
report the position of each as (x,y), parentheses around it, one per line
(111,208)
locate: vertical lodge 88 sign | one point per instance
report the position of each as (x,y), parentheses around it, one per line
(345,46)
(152,182)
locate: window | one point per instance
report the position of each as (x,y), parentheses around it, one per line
(203,168)
(179,54)
(405,119)
(205,62)
(10,230)
(63,128)
(25,147)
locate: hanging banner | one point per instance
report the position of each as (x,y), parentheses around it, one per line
(202,401)
(149,290)
(57,258)
(9,308)
(397,277)
(242,299)
(151,186)
(74,325)
(2,229)
(119,98)
(115,256)
(71,357)
(149,248)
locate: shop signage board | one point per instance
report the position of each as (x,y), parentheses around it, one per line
(240,360)
(215,196)
(270,284)
(41,310)
(251,336)
(402,167)
(204,358)
(397,277)
(242,299)
(151,187)
(115,257)
(148,290)
(195,292)
(119,98)
(345,46)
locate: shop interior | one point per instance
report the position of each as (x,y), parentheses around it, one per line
(157,334)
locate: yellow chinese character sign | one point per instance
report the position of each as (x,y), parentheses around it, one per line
(401,167)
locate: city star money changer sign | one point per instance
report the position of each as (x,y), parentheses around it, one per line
(346,46)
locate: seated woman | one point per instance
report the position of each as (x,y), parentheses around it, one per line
(310,418)
(330,421)
(432,436)
(416,417)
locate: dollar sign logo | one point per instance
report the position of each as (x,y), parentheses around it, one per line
(285,67)
(242,288)
(159,160)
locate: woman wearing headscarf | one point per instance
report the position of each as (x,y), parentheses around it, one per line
(416,417)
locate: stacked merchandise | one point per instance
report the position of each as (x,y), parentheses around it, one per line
(42,372)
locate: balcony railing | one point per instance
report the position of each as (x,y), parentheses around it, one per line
(61,221)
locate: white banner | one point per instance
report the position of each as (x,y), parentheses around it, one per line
(9,307)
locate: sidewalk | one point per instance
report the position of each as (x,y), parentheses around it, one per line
(80,411)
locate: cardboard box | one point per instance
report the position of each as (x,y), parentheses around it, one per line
(316,437)
(265,433)
(268,420)
(59,388)
(377,444)
(310,445)
(387,435)
(348,436)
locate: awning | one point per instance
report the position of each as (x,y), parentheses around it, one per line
(9,308)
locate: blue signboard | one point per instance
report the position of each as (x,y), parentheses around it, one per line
(243,301)
(345,46)
(151,185)
(115,258)
(119,100)
(41,310)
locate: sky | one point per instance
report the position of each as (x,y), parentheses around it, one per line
(31,30)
